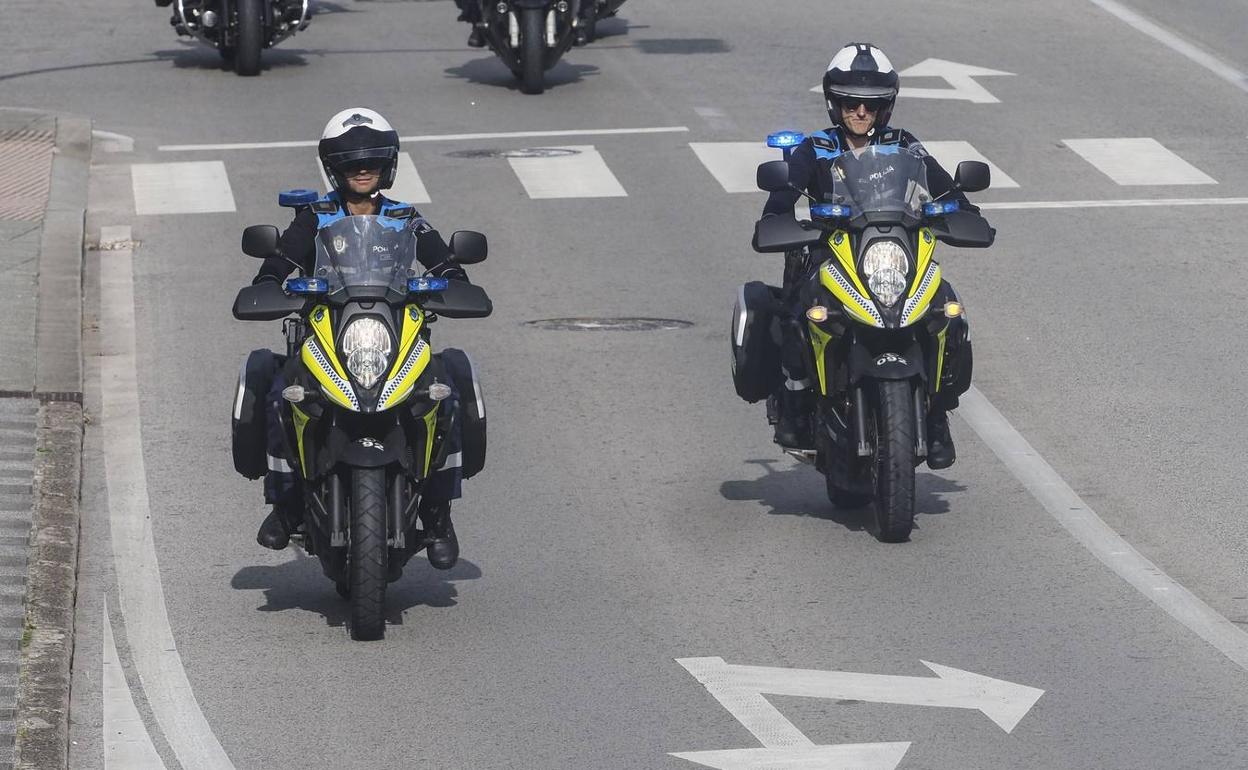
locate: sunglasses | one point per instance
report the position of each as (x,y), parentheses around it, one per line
(872,105)
(367,164)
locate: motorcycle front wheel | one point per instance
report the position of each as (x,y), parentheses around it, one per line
(368,554)
(532,51)
(250,37)
(892,471)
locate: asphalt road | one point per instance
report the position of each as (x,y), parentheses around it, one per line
(633,511)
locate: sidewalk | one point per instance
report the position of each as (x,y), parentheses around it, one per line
(44,161)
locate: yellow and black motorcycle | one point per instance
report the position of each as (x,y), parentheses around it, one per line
(876,340)
(368,410)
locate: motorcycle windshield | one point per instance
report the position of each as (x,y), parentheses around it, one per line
(367,252)
(881,178)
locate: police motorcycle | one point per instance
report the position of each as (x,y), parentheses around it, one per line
(531,35)
(368,409)
(240,29)
(877,344)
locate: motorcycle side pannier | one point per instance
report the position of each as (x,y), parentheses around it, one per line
(247,427)
(755,344)
(471,409)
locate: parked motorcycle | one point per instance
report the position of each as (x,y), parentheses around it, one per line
(368,408)
(531,35)
(240,29)
(876,343)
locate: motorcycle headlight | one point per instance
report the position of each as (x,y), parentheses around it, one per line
(885,265)
(366,344)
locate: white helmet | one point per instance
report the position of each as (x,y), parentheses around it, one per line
(359,137)
(861,72)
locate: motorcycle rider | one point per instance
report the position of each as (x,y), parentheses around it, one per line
(359,151)
(860,87)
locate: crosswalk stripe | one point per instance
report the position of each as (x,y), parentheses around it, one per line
(582,174)
(196,187)
(1138,161)
(949,154)
(408,186)
(734,164)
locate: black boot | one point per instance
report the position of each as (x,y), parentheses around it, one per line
(274,531)
(443,548)
(476,38)
(940,451)
(793,427)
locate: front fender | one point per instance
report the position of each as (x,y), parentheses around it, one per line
(888,365)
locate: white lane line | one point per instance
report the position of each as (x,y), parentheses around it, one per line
(127,745)
(1138,161)
(437,138)
(142,596)
(1094,534)
(1175,43)
(408,186)
(950,153)
(735,164)
(200,187)
(582,175)
(1114,204)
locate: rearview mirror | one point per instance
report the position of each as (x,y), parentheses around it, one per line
(773,175)
(782,233)
(972,176)
(260,241)
(469,247)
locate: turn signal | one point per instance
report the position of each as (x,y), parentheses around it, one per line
(294,393)
(439,391)
(818,314)
(953,309)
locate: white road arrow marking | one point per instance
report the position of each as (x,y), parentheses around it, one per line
(858,756)
(784,745)
(1005,703)
(961,78)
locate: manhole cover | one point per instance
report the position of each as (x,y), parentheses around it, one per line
(609,324)
(536,152)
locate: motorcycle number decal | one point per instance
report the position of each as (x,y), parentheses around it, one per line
(891,358)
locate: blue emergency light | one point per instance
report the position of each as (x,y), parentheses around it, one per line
(785,139)
(426,285)
(940,209)
(831,211)
(307,286)
(295,198)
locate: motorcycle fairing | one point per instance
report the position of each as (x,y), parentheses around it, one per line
(925,282)
(319,358)
(819,340)
(859,307)
(410,363)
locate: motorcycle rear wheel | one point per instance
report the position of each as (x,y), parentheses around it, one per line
(892,470)
(532,51)
(368,554)
(250,37)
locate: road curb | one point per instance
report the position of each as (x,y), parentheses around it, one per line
(47,645)
(48,641)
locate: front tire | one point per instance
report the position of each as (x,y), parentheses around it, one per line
(250,37)
(892,470)
(532,52)
(368,554)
